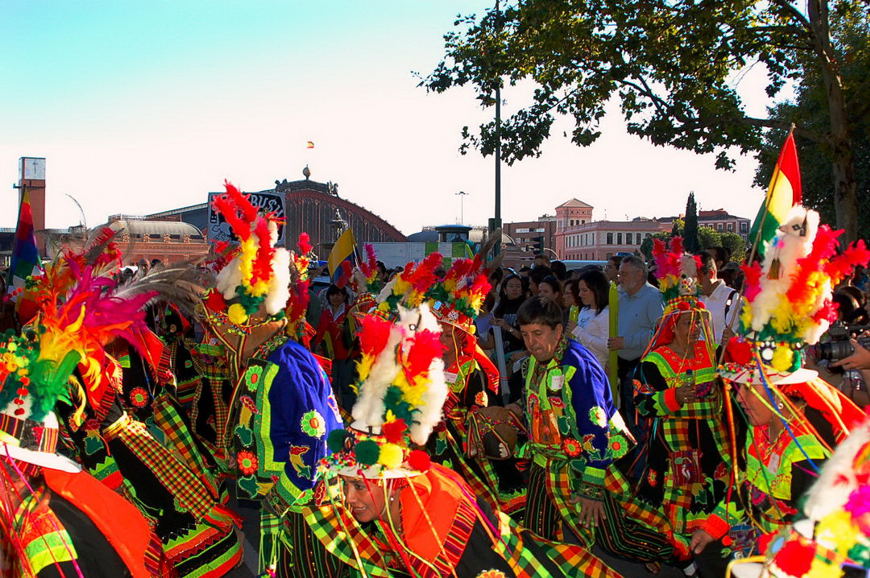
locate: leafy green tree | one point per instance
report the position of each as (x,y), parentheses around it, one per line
(850,32)
(735,245)
(677,228)
(690,234)
(707,237)
(646,246)
(671,66)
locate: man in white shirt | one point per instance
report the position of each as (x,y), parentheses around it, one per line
(721,301)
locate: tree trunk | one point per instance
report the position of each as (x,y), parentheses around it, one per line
(842,160)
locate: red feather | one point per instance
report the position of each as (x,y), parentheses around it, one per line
(738,351)
(262,265)
(304,243)
(225,208)
(394,431)
(374,333)
(243,205)
(752,277)
(425,347)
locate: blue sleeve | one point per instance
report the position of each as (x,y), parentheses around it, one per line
(592,403)
(303,412)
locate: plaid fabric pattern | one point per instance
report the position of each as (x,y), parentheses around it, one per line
(530,556)
(209,362)
(176,430)
(678,433)
(188,490)
(41,534)
(343,537)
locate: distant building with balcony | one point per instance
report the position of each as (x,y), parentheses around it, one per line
(720,221)
(598,240)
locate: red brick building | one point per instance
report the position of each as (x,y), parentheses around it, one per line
(598,240)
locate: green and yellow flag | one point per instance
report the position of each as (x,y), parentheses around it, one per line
(783,193)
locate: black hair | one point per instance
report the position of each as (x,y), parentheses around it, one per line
(597,282)
(336,290)
(552,282)
(707,261)
(541,311)
(559,270)
(538,274)
(501,292)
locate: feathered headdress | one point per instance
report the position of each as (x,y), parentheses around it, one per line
(836,531)
(259,273)
(401,382)
(409,287)
(78,312)
(677,273)
(457,298)
(788,296)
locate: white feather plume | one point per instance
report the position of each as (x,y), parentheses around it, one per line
(786,247)
(279,285)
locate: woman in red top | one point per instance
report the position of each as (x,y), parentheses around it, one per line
(335,340)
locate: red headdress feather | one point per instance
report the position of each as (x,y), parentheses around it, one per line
(425,347)
(373,335)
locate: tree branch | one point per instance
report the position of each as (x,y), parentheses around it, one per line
(788,7)
(784,125)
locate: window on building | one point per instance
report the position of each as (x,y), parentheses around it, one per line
(619,238)
(582,221)
(609,239)
(744,227)
(731,227)
(628,238)
(718,226)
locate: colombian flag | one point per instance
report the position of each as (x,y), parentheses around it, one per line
(342,258)
(783,193)
(25,255)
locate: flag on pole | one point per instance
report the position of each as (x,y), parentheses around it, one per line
(342,258)
(25,255)
(783,193)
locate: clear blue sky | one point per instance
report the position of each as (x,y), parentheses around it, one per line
(146,106)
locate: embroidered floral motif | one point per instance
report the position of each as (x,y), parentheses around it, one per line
(247,462)
(313,424)
(139,397)
(481,399)
(319,494)
(571,447)
(598,416)
(618,446)
(652,477)
(253,376)
(589,443)
(297,460)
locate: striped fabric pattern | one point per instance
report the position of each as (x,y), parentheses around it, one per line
(176,430)
(173,475)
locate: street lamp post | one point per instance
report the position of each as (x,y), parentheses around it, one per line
(461,195)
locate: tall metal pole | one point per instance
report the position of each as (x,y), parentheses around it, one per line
(461,195)
(497,221)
